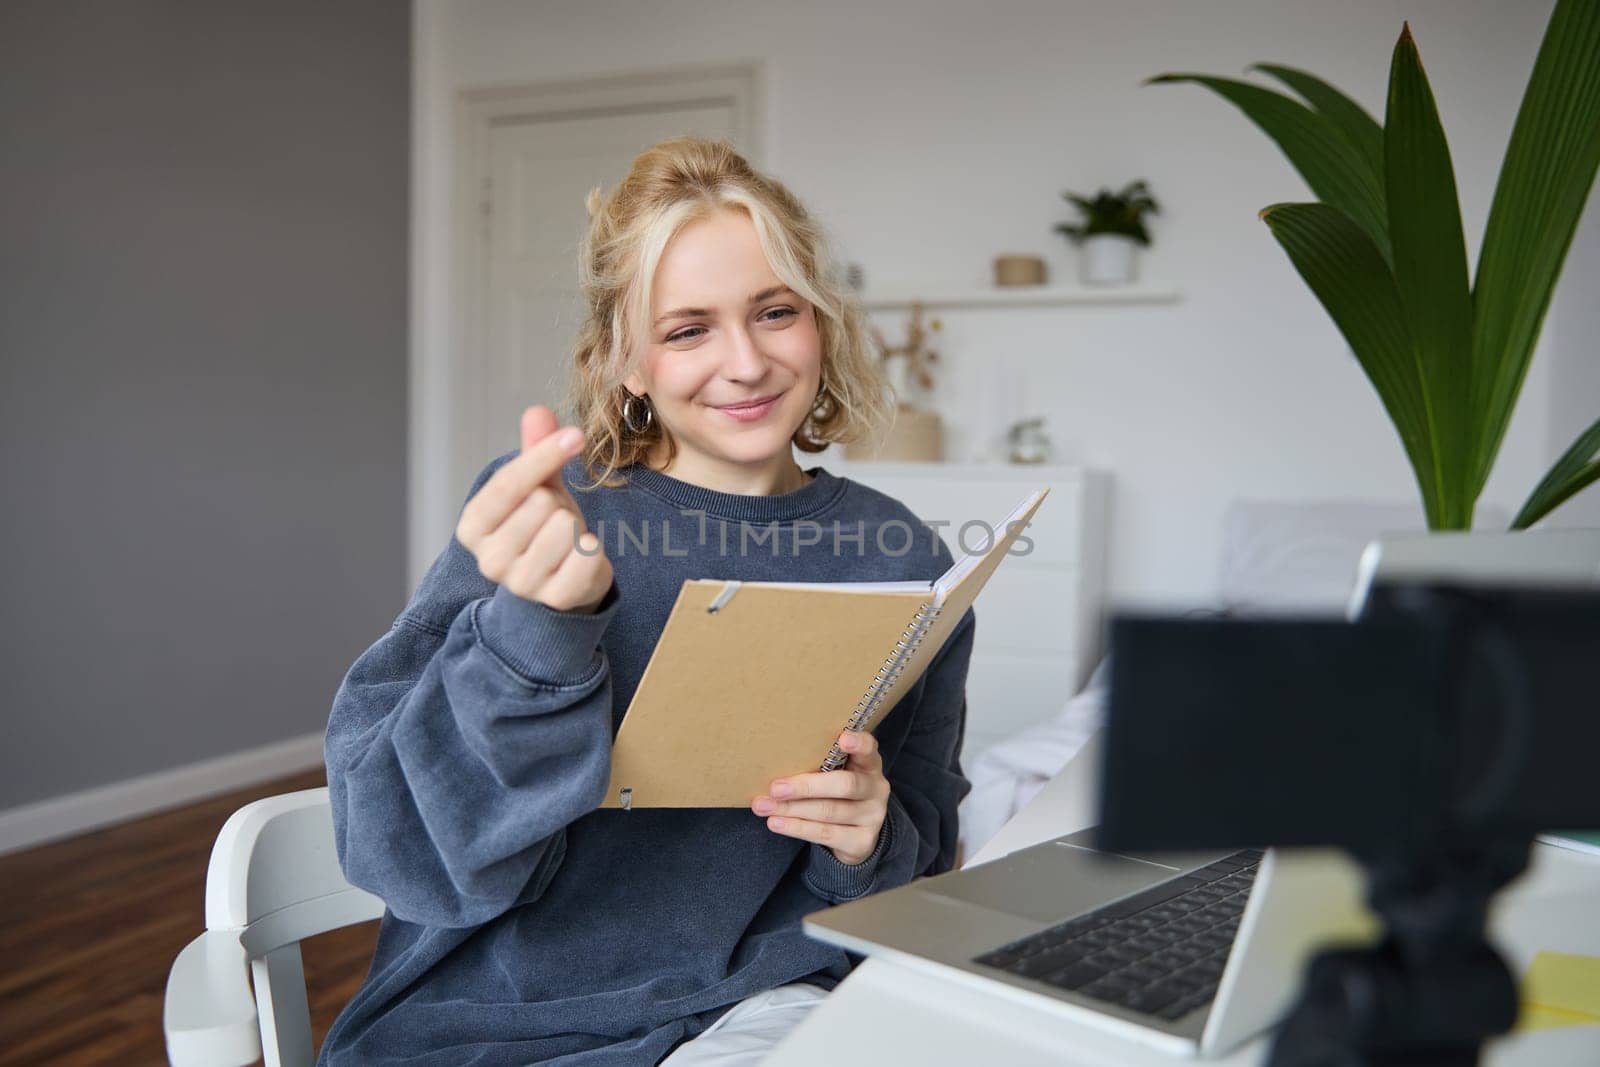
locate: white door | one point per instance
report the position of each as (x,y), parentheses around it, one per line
(539,172)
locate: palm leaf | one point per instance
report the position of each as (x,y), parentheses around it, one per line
(1578,467)
(1546,177)
(1430,271)
(1343,267)
(1337,171)
(1349,117)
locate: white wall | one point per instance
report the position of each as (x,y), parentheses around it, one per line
(1573,348)
(931,136)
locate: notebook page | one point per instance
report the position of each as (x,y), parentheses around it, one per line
(965,583)
(967,563)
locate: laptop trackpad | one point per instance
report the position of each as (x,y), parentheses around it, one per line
(1050,883)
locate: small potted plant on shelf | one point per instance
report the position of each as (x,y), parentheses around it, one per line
(1110,232)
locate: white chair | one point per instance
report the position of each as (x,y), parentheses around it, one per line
(274,879)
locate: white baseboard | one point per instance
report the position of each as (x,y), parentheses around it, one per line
(76,813)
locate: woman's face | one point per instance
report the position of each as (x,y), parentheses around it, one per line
(724,332)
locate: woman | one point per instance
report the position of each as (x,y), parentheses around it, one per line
(469,748)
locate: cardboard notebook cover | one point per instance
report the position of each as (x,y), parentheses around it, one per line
(762,686)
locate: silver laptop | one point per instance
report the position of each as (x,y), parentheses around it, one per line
(1192,953)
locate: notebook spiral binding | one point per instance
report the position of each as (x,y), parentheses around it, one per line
(892,668)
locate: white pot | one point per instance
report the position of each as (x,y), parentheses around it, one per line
(1107,259)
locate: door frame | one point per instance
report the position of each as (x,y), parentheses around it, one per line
(446,445)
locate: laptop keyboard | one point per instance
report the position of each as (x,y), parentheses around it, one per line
(1159,952)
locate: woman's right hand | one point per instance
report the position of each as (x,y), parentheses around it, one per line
(527,532)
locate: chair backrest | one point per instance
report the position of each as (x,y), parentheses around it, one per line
(275,878)
(274,872)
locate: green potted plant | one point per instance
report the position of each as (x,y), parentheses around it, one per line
(1110,232)
(1382,249)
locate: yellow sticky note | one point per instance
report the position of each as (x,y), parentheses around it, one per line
(1560,990)
(1537,1017)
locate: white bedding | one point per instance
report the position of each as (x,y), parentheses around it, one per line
(1005,776)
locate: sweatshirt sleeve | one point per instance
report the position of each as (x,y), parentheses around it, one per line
(464,741)
(926,787)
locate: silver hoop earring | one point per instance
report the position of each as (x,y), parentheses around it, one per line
(628,419)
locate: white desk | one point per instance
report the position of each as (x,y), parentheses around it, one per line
(889,1013)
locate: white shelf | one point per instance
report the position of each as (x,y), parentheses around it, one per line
(945,296)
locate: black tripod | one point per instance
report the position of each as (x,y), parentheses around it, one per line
(1432,739)
(1433,990)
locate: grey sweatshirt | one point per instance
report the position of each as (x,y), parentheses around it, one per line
(468,750)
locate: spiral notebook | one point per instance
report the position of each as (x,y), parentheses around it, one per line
(752,681)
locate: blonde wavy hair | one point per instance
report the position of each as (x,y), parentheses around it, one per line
(669,186)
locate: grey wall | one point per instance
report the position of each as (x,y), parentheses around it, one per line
(203,286)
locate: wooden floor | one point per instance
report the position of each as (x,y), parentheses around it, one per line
(91,925)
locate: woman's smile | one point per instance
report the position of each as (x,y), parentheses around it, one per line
(751,410)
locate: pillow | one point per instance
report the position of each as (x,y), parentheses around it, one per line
(1281,556)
